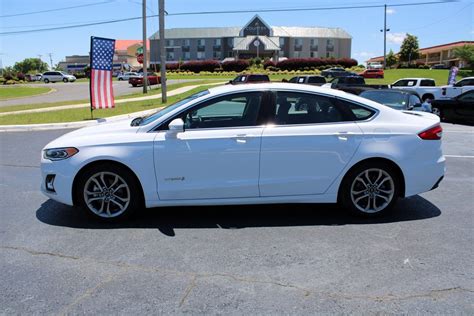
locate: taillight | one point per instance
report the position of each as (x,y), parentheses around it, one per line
(434,133)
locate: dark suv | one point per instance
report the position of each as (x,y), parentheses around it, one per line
(312,80)
(336,73)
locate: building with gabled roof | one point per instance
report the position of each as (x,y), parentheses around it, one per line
(256,38)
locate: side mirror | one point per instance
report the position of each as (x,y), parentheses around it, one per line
(176,126)
(410,107)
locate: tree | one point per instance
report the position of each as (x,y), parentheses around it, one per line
(391,59)
(466,54)
(30,65)
(409,49)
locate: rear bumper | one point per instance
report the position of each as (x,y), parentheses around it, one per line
(424,177)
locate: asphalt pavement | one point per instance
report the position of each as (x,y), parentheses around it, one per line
(271,259)
(75,91)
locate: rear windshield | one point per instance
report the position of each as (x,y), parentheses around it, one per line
(316,80)
(254,78)
(391,99)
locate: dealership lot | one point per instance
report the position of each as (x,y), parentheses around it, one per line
(249,259)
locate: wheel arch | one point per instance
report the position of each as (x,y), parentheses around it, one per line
(103,162)
(386,161)
(427,96)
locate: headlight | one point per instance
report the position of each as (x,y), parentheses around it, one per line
(59,153)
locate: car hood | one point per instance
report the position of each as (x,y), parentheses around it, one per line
(103,133)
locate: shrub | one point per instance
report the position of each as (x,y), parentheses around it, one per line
(236,65)
(172,66)
(10,82)
(20,76)
(315,63)
(198,65)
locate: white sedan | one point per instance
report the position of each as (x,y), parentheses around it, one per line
(249,144)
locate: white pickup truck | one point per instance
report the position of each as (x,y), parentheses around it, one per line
(452,91)
(425,87)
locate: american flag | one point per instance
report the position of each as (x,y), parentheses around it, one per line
(102,54)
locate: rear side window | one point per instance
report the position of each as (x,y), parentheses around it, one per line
(316,80)
(354,111)
(293,80)
(303,108)
(427,83)
(255,78)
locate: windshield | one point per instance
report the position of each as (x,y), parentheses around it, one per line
(152,117)
(391,99)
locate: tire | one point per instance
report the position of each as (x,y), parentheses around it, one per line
(46,80)
(65,80)
(370,189)
(437,111)
(426,97)
(120,79)
(134,85)
(118,198)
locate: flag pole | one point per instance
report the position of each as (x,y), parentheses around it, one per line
(90,78)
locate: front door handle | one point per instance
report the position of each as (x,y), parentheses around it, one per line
(241,138)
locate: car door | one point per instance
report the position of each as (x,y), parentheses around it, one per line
(217,156)
(57,76)
(464,109)
(313,139)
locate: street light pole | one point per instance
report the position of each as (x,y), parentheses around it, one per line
(145,59)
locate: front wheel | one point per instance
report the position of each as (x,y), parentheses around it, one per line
(65,80)
(46,81)
(109,192)
(370,189)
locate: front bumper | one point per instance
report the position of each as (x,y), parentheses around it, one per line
(63,180)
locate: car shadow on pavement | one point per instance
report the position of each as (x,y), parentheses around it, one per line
(167,219)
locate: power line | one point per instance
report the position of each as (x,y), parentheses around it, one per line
(230,12)
(54,10)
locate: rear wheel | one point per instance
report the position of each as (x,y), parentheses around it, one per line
(109,192)
(370,189)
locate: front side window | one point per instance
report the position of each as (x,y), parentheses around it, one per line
(228,111)
(414,100)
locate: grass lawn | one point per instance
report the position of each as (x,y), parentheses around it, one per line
(16,92)
(139,93)
(82,114)
(392,75)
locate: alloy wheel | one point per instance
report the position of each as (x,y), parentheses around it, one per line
(107,194)
(372,190)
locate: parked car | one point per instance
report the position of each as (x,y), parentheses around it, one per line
(352,84)
(56,76)
(372,73)
(397,99)
(312,80)
(138,80)
(439,66)
(249,78)
(336,73)
(126,75)
(458,109)
(247,144)
(425,87)
(452,91)
(374,65)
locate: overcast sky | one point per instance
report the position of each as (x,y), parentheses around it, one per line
(433,24)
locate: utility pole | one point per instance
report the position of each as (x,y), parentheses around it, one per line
(145,59)
(385,30)
(51,60)
(39,56)
(161,17)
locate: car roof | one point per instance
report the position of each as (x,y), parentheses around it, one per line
(415,79)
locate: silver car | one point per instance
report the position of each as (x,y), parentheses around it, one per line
(56,76)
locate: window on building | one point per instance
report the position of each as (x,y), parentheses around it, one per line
(282,41)
(230,54)
(313,54)
(230,42)
(201,55)
(169,42)
(186,55)
(201,42)
(329,54)
(216,54)
(314,44)
(330,45)
(170,56)
(217,42)
(281,53)
(297,54)
(298,44)
(186,42)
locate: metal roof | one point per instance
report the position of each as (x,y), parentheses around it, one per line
(278,31)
